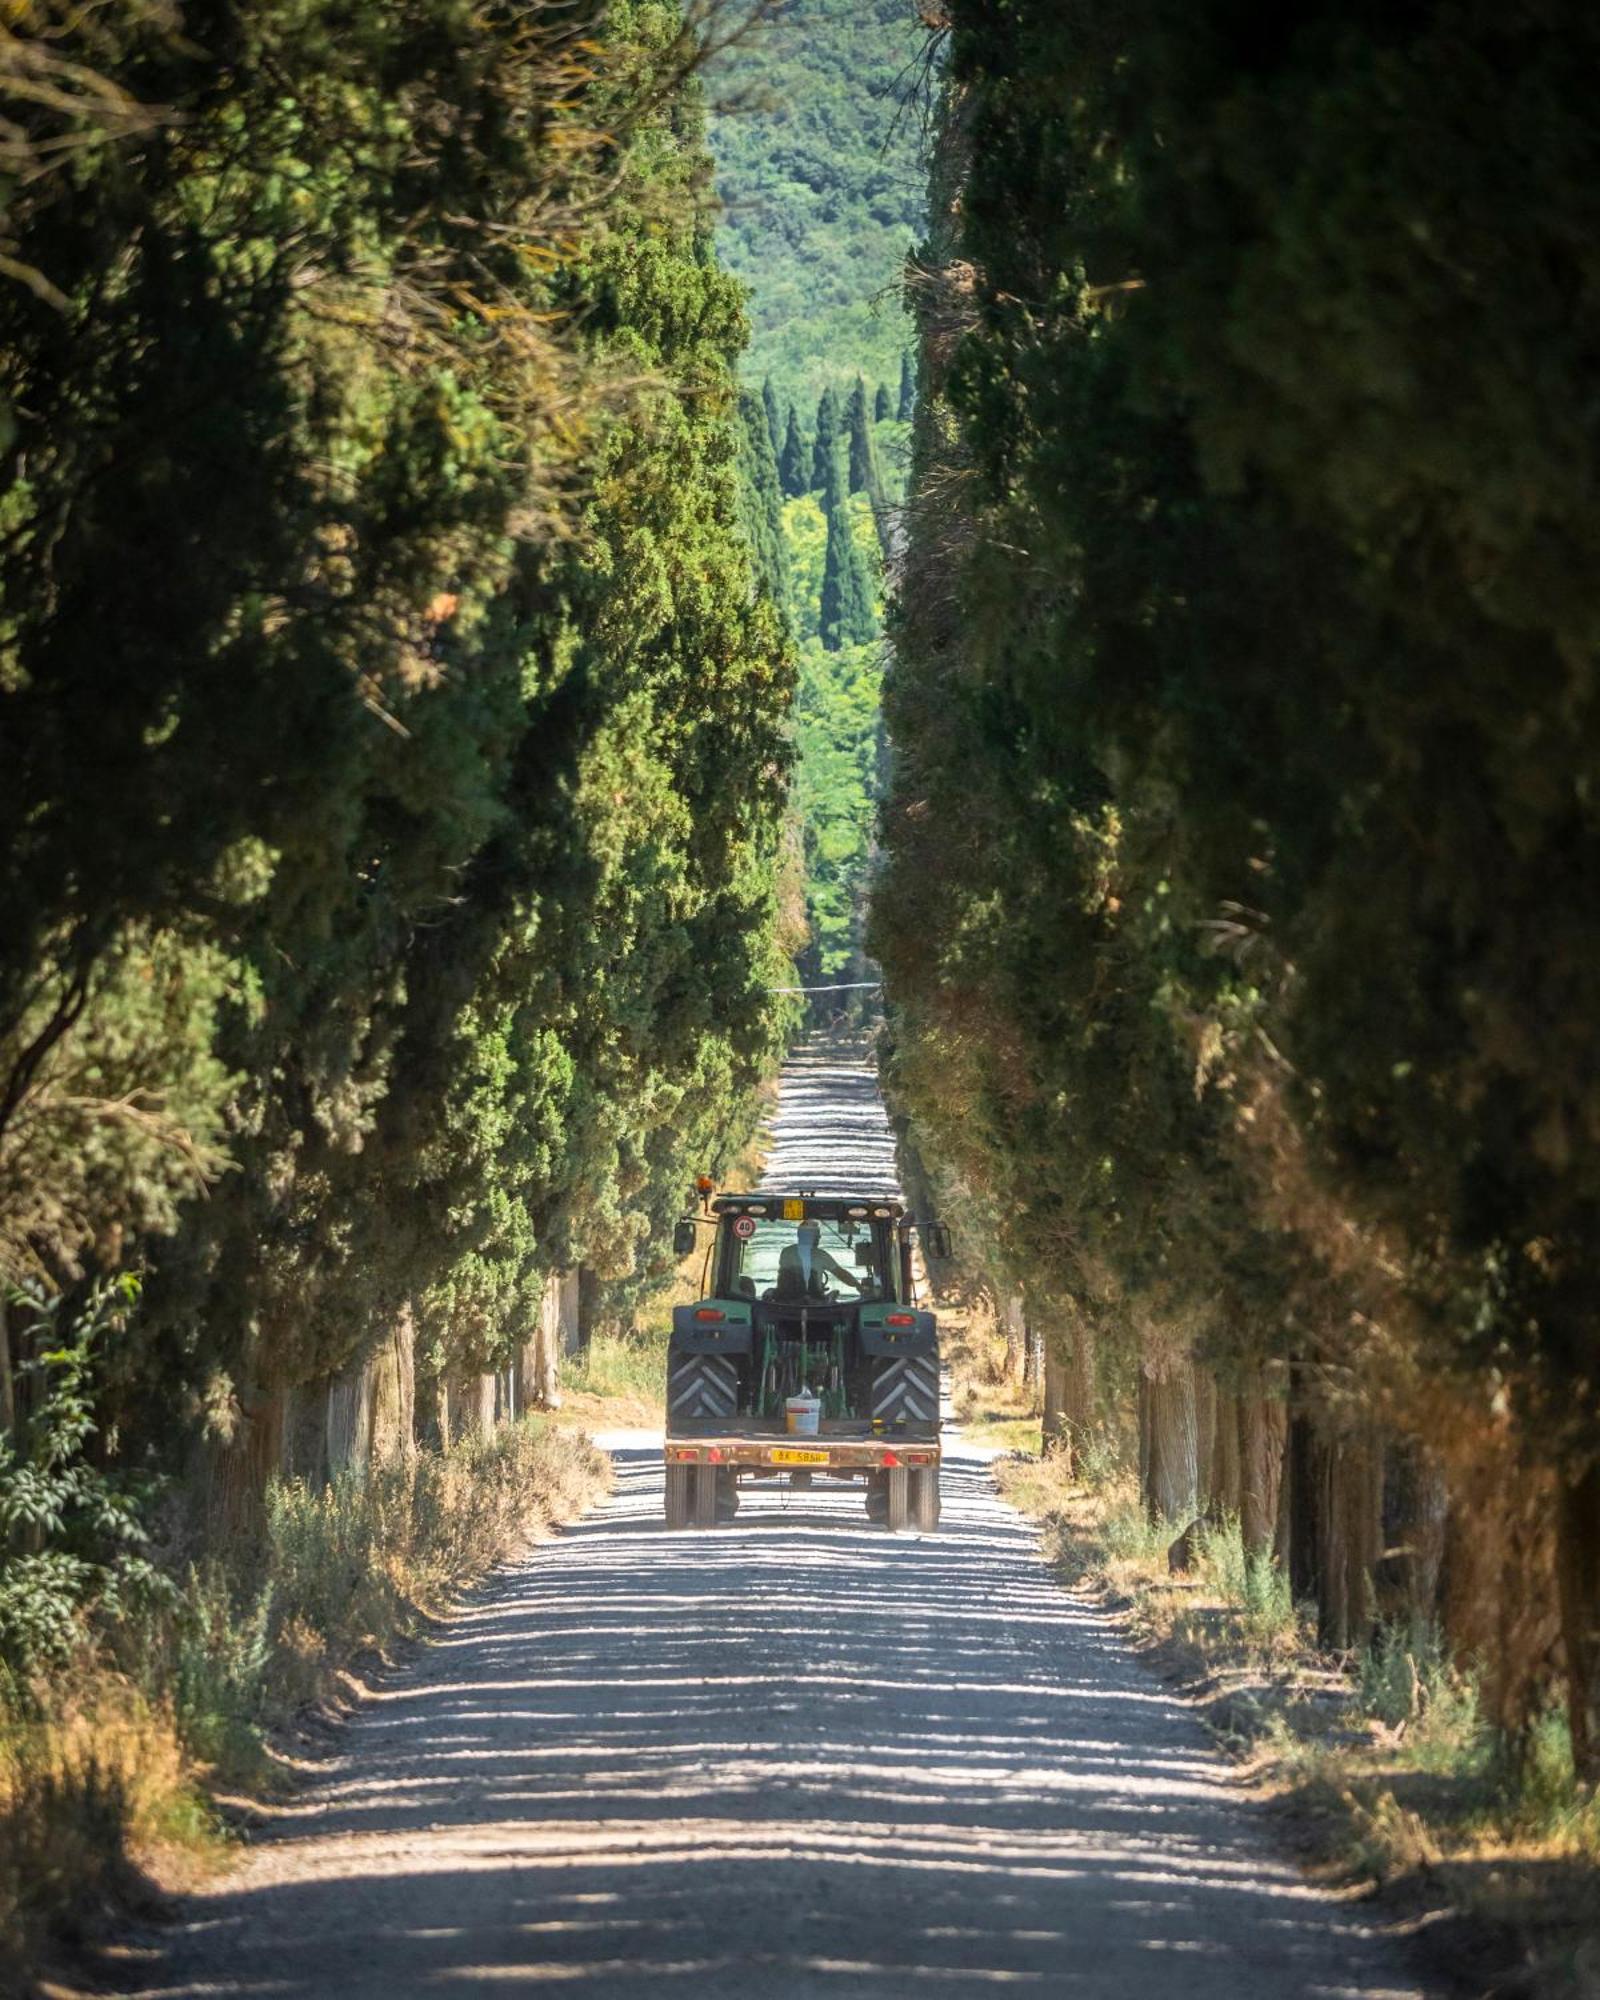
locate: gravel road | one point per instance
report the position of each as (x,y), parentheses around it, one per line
(794,1756)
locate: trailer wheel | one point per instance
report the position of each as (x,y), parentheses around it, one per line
(925,1498)
(899,1498)
(877,1496)
(678,1478)
(705,1496)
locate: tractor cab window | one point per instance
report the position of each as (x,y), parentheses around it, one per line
(817,1260)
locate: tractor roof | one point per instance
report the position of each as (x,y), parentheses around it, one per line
(797,1206)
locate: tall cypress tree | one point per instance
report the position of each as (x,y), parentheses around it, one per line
(826,445)
(849,615)
(858,430)
(769,402)
(882,404)
(908,389)
(792,459)
(760,501)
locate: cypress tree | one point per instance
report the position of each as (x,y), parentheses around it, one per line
(863,460)
(849,615)
(761,502)
(826,445)
(908,389)
(792,461)
(769,401)
(882,404)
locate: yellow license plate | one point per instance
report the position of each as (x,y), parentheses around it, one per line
(794,1211)
(798,1457)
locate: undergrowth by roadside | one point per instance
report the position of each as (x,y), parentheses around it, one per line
(112,1758)
(619,1380)
(1381,1761)
(991,1404)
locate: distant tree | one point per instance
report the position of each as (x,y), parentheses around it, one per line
(760,501)
(858,430)
(792,460)
(849,615)
(825,447)
(882,404)
(769,401)
(908,389)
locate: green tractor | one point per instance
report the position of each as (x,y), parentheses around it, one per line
(807,1358)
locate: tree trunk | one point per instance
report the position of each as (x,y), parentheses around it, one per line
(1144,1436)
(1578,1577)
(1415,1509)
(1336,1520)
(588,1306)
(469,1399)
(1055,1424)
(544,1391)
(237,1472)
(1033,1357)
(1302,1510)
(1205,1433)
(394,1390)
(8,1392)
(1172,1482)
(1013,1325)
(1263,1439)
(1225,1487)
(347,1420)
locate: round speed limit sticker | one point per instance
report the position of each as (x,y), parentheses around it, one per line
(744,1225)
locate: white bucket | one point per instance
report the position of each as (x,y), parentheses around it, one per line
(804,1413)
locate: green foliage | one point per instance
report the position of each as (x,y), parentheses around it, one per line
(838,780)
(819,172)
(882,404)
(73,1540)
(848,612)
(761,501)
(1234,907)
(793,465)
(825,440)
(393,821)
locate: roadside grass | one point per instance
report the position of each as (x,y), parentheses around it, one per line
(112,1767)
(619,1380)
(1381,1762)
(991,1406)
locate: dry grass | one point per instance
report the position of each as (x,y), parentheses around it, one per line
(990,1404)
(95,1785)
(106,1774)
(1380,1763)
(619,1381)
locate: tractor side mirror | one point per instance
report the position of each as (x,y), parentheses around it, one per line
(939,1239)
(683,1238)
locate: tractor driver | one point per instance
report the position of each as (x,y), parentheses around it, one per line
(804,1267)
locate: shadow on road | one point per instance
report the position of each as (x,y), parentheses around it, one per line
(796,1755)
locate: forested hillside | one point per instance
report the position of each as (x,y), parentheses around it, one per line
(394,741)
(1239,922)
(819,172)
(818,137)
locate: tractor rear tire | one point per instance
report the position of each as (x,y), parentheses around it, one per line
(899,1515)
(705,1496)
(679,1478)
(925,1498)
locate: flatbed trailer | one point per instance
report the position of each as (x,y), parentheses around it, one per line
(783,1314)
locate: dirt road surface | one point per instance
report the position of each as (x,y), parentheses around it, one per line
(793,1756)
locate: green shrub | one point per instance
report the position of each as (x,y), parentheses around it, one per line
(1406,1678)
